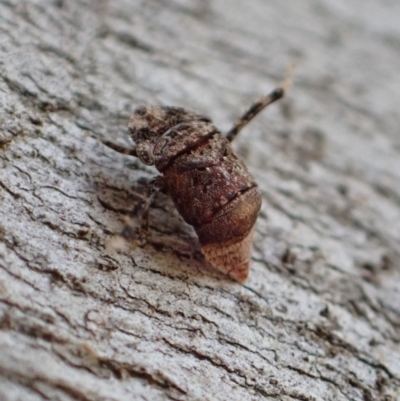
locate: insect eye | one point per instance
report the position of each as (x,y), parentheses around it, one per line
(145,153)
(141,111)
(144,133)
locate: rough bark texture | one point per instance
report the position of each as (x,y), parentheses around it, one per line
(318,318)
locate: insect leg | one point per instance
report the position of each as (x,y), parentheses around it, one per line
(141,212)
(256,107)
(261,104)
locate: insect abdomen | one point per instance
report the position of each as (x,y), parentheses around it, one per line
(214,192)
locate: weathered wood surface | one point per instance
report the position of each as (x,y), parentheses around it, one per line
(318,318)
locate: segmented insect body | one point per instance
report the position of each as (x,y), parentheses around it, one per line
(210,186)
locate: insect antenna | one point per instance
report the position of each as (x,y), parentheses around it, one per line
(112,145)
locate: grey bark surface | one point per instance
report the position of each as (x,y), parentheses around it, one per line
(319,316)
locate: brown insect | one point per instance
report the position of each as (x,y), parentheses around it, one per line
(209,185)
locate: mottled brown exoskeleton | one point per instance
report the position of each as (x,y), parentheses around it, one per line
(209,185)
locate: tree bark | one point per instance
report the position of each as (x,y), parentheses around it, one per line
(319,316)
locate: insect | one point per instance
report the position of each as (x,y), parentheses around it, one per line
(209,184)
